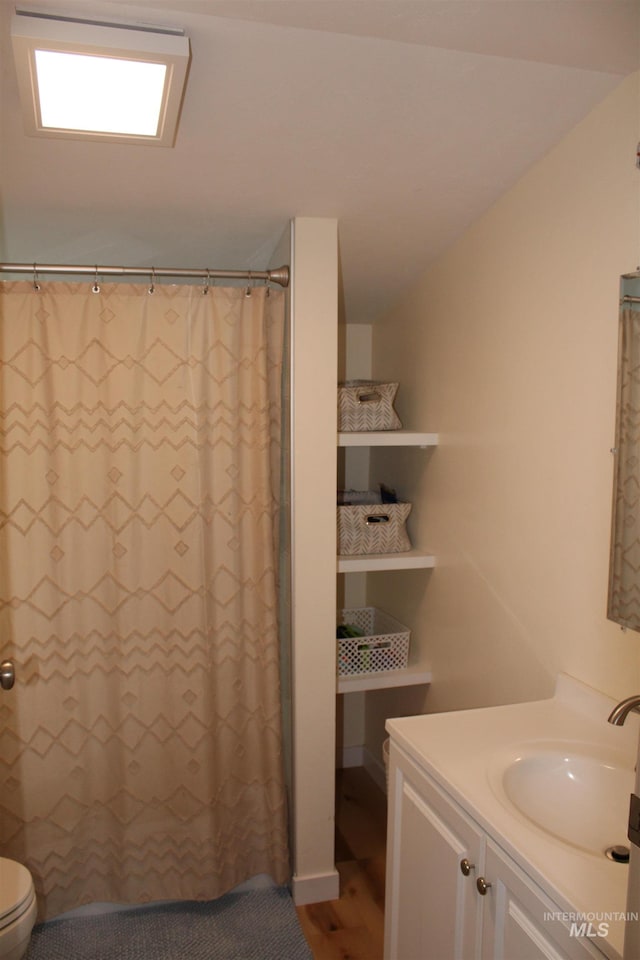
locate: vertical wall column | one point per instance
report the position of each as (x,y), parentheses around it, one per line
(314,291)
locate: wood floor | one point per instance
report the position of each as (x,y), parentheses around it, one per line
(351,928)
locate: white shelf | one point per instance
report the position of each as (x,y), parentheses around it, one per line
(387,438)
(410,676)
(409,560)
(415,674)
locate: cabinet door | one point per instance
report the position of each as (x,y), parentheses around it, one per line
(520,922)
(432,908)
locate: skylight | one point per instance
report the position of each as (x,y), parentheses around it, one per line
(97,80)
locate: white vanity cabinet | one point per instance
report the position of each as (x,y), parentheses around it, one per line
(518,918)
(431,908)
(439,860)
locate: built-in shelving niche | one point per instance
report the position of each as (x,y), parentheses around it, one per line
(419,673)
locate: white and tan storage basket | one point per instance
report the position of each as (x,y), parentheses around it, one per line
(367,405)
(384,646)
(365,528)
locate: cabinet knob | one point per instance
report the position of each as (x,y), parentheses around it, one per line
(7,674)
(466,867)
(482,885)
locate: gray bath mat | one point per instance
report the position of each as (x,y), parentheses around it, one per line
(251,925)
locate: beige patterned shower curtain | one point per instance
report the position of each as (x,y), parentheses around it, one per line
(624,566)
(140,748)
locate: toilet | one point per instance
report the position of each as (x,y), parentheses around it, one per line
(17,909)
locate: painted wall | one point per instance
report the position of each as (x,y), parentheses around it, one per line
(507,347)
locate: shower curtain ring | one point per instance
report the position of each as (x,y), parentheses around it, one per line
(96,286)
(152,280)
(205,289)
(36,285)
(247,292)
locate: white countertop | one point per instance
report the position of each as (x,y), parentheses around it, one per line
(465,750)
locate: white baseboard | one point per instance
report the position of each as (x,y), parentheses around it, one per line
(375,768)
(352,757)
(361,756)
(315,888)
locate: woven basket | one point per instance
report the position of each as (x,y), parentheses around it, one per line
(367,405)
(373,528)
(385,645)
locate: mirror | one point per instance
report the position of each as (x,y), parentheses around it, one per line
(624,564)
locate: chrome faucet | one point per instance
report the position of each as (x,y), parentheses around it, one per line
(620,713)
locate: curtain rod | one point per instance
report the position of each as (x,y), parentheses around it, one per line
(631,299)
(279,275)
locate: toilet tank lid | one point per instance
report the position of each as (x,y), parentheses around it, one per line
(16,885)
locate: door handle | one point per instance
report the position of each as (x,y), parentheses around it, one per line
(7,674)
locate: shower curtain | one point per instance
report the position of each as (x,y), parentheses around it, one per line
(624,584)
(140,748)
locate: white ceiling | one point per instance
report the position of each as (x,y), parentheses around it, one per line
(404,119)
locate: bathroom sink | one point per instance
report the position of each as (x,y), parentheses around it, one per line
(578,795)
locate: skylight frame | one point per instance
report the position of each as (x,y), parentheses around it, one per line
(32,30)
